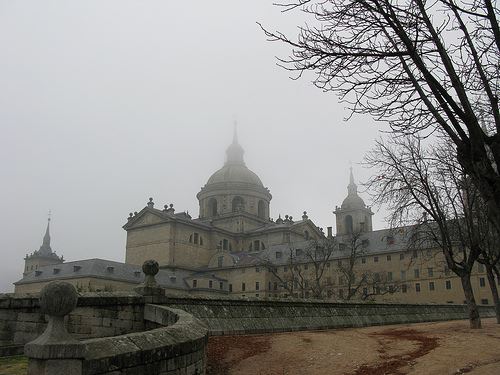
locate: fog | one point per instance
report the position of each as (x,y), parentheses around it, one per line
(104,104)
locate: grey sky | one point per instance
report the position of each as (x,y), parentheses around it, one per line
(106,103)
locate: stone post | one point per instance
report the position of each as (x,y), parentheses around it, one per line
(150,287)
(56,352)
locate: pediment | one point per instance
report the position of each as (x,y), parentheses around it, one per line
(145,218)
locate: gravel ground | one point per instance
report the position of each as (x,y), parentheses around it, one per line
(419,349)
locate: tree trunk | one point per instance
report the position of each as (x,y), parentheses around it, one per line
(494,291)
(474,318)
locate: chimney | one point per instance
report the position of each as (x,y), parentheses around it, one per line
(329,229)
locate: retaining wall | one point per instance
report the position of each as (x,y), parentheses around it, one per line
(97,315)
(226,317)
(111,314)
(177,348)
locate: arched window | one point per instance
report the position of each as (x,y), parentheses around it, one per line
(212,207)
(238,204)
(262,209)
(348,224)
(306,234)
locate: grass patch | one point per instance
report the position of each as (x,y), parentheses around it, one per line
(16,365)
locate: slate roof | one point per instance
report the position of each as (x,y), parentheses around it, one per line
(101,268)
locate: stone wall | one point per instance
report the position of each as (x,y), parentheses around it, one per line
(178,347)
(97,315)
(111,314)
(226,317)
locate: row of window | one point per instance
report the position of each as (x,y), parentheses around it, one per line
(210,284)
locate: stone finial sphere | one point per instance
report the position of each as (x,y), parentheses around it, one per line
(58,298)
(150,267)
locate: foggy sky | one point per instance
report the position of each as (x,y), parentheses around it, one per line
(104,104)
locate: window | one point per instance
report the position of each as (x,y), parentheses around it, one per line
(238,204)
(431,286)
(225,244)
(285,269)
(221,285)
(484,301)
(342,247)
(430,272)
(306,266)
(363,260)
(376,276)
(256,245)
(417,287)
(414,254)
(210,284)
(482,282)
(480,268)
(404,288)
(375,259)
(243,287)
(389,276)
(389,258)
(306,235)
(448,284)
(56,270)
(269,285)
(220,261)
(401,256)
(195,283)
(230,288)
(339,263)
(261,209)
(257,285)
(416,273)
(390,240)
(365,243)
(365,291)
(298,252)
(348,224)
(275,285)
(286,237)
(196,236)
(212,207)
(257,269)
(403,275)
(279,255)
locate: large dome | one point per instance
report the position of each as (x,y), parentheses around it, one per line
(234,189)
(353,202)
(236,173)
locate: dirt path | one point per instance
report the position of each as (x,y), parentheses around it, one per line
(417,349)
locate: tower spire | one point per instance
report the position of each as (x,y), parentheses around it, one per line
(235,132)
(352,188)
(235,152)
(45,248)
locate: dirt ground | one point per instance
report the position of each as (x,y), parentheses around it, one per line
(417,349)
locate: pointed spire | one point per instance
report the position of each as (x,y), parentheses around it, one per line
(45,248)
(352,188)
(235,152)
(235,132)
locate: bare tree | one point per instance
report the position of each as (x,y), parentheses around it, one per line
(418,65)
(305,268)
(414,178)
(361,283)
